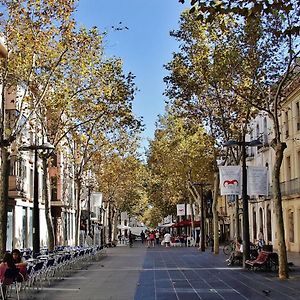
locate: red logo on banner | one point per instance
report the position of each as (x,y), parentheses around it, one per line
(230,182)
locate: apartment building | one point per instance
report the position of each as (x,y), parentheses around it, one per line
(261,209)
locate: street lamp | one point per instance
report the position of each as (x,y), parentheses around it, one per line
(36,212)
(89,186)
(246,235)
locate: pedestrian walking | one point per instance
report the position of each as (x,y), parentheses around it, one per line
(157,235)
(152,238)
(142,236)
(167,239)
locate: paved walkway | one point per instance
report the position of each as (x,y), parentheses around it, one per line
(162,273)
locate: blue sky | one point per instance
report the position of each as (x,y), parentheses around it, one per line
(144,48)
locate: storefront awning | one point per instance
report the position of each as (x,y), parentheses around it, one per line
(184,223)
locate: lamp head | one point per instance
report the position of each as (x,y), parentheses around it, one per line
(254,143)
(47,146)
(231,143)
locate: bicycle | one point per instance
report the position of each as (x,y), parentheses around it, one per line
(229,247)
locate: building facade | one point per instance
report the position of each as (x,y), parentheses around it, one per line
(261,209)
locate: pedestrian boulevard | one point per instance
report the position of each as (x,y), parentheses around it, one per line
(161,273)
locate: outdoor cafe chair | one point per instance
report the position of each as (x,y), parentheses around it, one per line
(9,283)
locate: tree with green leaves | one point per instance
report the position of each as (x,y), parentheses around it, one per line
(267,65)
(198,86)
(60,80)
(179,155)
(120,176)
(35,36)
(96,103)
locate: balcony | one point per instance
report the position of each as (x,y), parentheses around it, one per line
(16,187)
(290,187)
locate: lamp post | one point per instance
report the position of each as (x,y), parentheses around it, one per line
(246,236)
(36,212)
(89,186)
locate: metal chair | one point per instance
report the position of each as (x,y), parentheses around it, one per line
(9,282)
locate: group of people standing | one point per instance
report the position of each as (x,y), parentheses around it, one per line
(150,237)
(154,237)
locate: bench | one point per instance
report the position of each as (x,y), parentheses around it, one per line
(265,260)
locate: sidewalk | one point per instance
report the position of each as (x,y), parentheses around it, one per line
(177,273)
(294,258)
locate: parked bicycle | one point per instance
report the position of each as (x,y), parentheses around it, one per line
(229,247)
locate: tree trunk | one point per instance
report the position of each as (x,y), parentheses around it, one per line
(48,216)
(109,221)
(215,212)
(191,202)
(237,217)
(283,268)
(78,212)
(114,224)
(4,199)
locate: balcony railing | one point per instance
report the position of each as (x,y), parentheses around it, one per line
(289,187)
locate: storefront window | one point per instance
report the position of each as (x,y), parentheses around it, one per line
(9,232)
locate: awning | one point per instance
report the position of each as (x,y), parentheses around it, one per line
(123,227)
(166,225)
(184,223)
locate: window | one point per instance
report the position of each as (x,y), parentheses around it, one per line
(291,226)
(298,169)
(31,183)
(286,124)
(254,225)
(265,133)
(12,167)
(261,220)
(54,160)
(298,115)
(53,187)
(288,169)
(269,224)
(258,135)
(10,229)
(24,227)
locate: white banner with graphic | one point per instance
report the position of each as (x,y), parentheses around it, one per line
(189,209)
(257,181)
(180,209)
(230,180)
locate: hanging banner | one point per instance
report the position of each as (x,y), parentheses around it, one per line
(180,209)
(96,199)
(230,180)
(257,181)
(189,209)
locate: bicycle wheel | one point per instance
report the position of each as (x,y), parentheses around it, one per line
(227,249)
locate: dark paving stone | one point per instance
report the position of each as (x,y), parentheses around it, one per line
(169,274)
